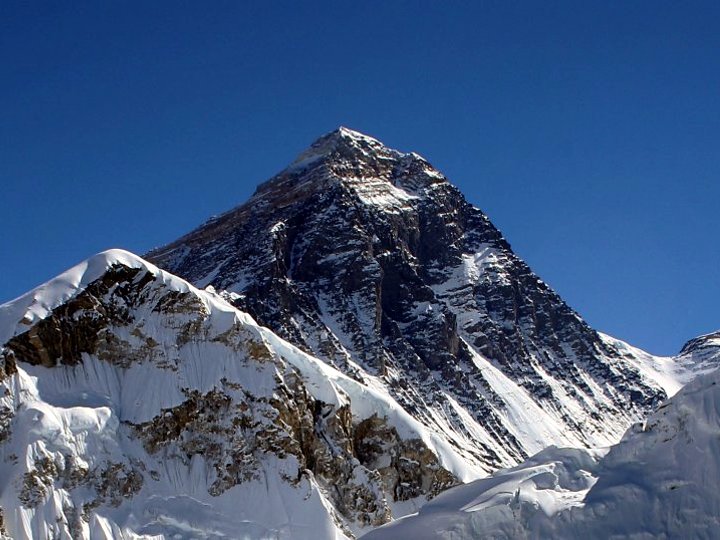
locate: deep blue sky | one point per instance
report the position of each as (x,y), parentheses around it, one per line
(589,133)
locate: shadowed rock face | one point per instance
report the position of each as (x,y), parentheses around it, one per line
(369,259)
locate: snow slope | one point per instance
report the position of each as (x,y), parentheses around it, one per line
(660,481)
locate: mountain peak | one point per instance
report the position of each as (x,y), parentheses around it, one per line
(348,133)
(348,136)
(343,142)
(40,301)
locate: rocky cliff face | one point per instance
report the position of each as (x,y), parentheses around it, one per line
(369,259)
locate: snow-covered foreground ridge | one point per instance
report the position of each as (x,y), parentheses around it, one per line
(137,405)
(660,481)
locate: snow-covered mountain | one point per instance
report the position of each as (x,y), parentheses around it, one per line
(660,481)
(135,404)
(369,259)
(349,343)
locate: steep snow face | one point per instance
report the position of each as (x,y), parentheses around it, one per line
(137,406)
(369,259)
(660,481)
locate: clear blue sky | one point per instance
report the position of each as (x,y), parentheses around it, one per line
(588,132)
